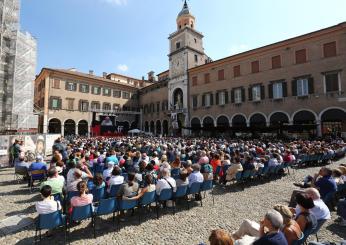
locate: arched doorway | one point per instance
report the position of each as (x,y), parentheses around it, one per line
(69,127)
(278,119)
(134,125)
(222,122)
(196,126)
(333,122)
(257,121)
(304,124)
(158,127)
(239,121)
(152,127)
(304,117)
(126,125)
(54,126)
(146,127)
(83,128)
(165,127)
(208,123)
(178,99)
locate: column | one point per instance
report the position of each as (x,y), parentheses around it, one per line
(45,124)
(62,130)
(76,129)
(319,128)
(141,119)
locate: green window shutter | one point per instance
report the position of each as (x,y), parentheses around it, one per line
(270,90)
(294,87)
(311,85)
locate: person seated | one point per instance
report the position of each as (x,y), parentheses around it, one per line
(129,189)
(207,171)
(249,164)
(220,237)
(322,180)
(115,179)
(38,165)
(196,175)
(305,219)
(273,161)
(86,174)
(83,198)
(108,171)
(188,166)
(48,204)
(21,167)
(234,169)
(272,222)
(72,185)
(183,180)
(55,181)
(98,181)
(149,187)
(337,176)
(165,182)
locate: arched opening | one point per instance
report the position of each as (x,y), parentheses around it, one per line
(304,117)
(257,121)
(69,127)
(208,123)
(152,127)
(239,121)
(134,125)
(178,99)
(222,122)
(126,126)
(165,127)
(83,128)
(54,126)
(146,127)
(195,124)
(333,122)
(158,127)
(278,119)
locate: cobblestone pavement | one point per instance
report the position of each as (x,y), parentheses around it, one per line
(232,205)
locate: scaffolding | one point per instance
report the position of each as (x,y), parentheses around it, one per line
(17,71)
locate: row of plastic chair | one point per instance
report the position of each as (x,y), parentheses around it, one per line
(307,160)
(112,205)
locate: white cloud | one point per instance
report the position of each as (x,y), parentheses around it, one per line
(236,49)
(116,2)
(123,68)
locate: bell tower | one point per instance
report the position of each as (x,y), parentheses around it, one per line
(186,51)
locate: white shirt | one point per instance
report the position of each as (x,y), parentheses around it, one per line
(107,173)
(47,206)
(115,180)
(195,177)
(70,175)
(321,211)
(273,162)
(162,184)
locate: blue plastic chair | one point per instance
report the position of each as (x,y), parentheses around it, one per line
(114,190)
(82,213)
(165,195)
(194,189)
(58,197)
(50,221)
(71,194)
(106,206)
(98,169)
(207,185)
(300,241)
(319,225)
(175,173)
(36,175)
(98,194)
(238,176)
(146,200)
(126,205)
(180,192)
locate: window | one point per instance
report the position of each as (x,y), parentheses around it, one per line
(207,100)
(301,56)
(207,78)
(236,71)
(255,66)
(126,95)
(106,107)
(277,91)
(84,88)
(158,107)
(221,75)
(276,62)
(177,45)
(96,90)
(196,58)
(194,81)
(256,93)
(83,105)
(95,106)
(56,83)
(221,98)
(195,40)
(55,103)
(302,87)
(238,96)
(116,93)
(107,91)
(332,82)
(329,49)
(70,103)
(70,86)
(194,101)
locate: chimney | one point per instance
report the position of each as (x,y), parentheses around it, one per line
(151,76)
(142,78)
(104,74)
(91,72)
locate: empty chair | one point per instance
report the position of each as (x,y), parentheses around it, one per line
(126,205)
(98,194)
(193,190)
(180,192)
(49,221)
(81,213)
(146,200)
(207,185)
(106,206)
(114,190)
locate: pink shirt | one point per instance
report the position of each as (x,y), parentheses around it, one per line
(82,200)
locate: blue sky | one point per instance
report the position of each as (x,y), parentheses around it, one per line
(130,36)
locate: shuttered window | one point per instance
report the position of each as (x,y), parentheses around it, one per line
(301,56)
(329,49)
(332,82)
(276,62)
(221,75)
(255,66)
(236,71)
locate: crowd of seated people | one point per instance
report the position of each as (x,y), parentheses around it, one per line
(149,163)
